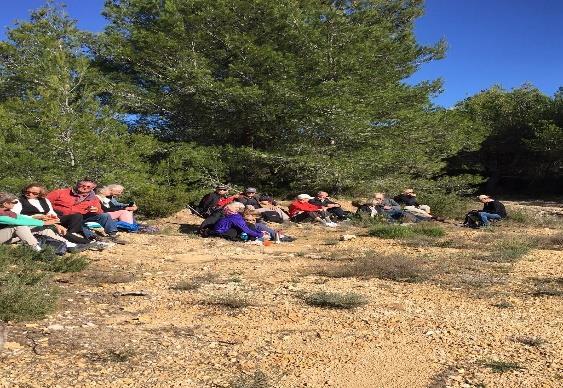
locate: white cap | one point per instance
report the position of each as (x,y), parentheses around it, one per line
(304,196)
(482,197)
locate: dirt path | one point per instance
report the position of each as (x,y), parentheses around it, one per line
(153,314)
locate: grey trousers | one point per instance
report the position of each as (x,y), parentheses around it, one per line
(25,234)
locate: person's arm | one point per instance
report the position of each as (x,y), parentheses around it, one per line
(239,223)
(20,220)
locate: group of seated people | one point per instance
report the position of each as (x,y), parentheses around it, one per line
(65,215)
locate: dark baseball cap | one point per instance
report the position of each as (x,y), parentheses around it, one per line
(250,190)
(221,187)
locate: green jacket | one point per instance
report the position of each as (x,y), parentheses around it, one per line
(20,220)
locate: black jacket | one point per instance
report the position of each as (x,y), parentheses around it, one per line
(208,202)
(406,200)
(325,202)
(495,207)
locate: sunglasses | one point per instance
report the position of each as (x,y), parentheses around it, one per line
(14,201)
(33,192)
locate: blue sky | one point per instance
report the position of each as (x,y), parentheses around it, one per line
(506,42)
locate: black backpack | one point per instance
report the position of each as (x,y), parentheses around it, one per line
(58,247)
(472,220)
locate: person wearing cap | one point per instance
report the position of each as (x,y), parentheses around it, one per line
(215,200)
(302,210)
(408,199)
(248,198)
(322,199)
(492,210)
(270,211)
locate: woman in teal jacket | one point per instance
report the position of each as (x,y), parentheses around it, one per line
(20,226)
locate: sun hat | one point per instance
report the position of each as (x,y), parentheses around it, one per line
(304,196)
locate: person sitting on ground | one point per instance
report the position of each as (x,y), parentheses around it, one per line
(270,211)
(116,191)
(233,227)
(82,200)
(22,227)
(32,202)
(248,198)
(329,205)
(254,220)
(214,201)
(301,210)
(408,199)
(492,210)
(382,206)
(117,211)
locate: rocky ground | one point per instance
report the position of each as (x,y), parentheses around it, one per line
(176,310)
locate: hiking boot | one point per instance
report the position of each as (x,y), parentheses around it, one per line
(287,239)
(78,248)
(112,238)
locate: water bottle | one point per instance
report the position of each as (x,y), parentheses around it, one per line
(244,236)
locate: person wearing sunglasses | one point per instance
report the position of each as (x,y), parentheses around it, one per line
(21,227)
(81,199)
(33,202)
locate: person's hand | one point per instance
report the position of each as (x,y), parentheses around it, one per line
(386,207)
(131,208)
(92,209)
(265,235)
(60,229)
(330,206)
(40,217)
(51,221)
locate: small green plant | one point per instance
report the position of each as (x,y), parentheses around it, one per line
(195,282)
(68,263)
(529,341)
(547,287)
(519,217)
(391,231)
(22,300)
(501,366)
(364,220)
(335,300)
(503,304)
(507,251)
(233,300)
(429,230)
(398,268)
(258,380)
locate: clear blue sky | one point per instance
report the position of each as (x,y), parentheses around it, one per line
(506,42)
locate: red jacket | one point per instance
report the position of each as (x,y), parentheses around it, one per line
(67,202)
(297,207)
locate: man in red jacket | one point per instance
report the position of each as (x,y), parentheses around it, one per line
(301,210)
(82,200)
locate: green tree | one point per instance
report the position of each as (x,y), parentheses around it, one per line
(305,93)
(523,131)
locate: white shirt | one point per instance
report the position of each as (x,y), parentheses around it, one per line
(35,203)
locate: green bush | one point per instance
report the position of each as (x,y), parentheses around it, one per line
(391,231)
(446,205)
(429,230)
(335,300)
(506,251)
(25,289)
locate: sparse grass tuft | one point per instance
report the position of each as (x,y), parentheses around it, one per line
(554,241)
(391,231)
(503,304)
(233,300)
(67,263)
(335,300)
(547,287)
(112,355)
(508,251)
(363,220)
(519,217)
(529,341)
(501,366)
(258,380)
(397,268)
(394,231)
(195,282)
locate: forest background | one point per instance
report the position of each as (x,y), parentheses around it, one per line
(176,96)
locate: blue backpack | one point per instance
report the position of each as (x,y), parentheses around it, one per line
(127,227)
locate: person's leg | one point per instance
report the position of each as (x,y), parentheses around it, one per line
(122,215)
(105,220)
(211,220)
(418,212)
(487,217)
(25,234)
(261,227)
(425,208)
(73,224)
(48,233)
(6,235)
(338,212)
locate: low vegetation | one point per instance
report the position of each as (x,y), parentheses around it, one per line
(195,282)
(335,300)
(26,291)
(232,300)
(395,231)
(258,380)
(508,251)
(399,268)
(501,366)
